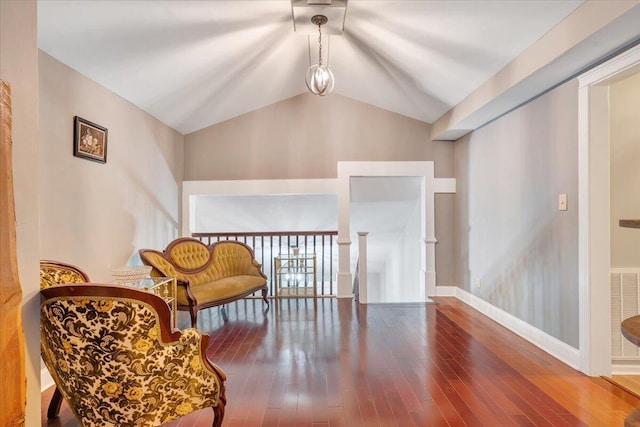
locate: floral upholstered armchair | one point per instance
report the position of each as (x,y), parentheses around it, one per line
(54,273)
(114,358)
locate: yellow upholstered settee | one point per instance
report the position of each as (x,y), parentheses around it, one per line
(207,275)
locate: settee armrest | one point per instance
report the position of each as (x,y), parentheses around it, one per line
(258,266)
(185,286)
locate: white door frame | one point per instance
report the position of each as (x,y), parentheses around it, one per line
(594,210)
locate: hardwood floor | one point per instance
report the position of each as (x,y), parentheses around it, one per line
(344,365)
(631,383)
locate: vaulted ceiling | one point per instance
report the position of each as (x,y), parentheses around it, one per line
(192,64)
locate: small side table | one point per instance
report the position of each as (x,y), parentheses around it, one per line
(164,287)
(631,331)
(295,276)
(633,419)
(629,223)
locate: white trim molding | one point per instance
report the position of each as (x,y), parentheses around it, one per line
(249,187)
(537,337)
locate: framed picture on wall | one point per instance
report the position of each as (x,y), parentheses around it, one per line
(89,140)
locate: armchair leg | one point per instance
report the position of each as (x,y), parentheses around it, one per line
(54,405)
(218,414)
(264,297)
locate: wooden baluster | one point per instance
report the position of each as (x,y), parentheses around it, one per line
(12,374)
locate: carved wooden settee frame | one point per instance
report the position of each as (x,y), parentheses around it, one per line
(207,275)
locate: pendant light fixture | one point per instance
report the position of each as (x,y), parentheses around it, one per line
(319,77)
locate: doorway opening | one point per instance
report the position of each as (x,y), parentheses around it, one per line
(388,208)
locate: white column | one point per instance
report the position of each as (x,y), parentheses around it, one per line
(362,256)
(429,249)
(430,270)
(345,278)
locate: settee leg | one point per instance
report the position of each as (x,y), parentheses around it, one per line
(264,297)
(193,311)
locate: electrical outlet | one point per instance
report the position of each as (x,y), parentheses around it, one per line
(562,202)
(478,283)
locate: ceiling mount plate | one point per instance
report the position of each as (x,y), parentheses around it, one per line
(303,13)
(319,19)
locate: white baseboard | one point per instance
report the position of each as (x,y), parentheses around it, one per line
(619,367)
(539,338)
(45,379)
(446,291)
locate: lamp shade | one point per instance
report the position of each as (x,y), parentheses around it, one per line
(319,79)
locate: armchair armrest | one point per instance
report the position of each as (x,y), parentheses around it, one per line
(194,342)
(191,339)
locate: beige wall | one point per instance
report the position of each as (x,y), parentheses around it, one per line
(514,248)
(624,102)
(19,67)
(305,136)
(98,215)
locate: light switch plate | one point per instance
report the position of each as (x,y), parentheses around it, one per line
(562,202)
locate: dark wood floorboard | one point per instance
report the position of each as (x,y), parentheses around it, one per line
(344,365)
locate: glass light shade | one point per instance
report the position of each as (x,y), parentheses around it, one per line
(319,80)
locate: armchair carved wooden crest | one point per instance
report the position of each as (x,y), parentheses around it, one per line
(115,360)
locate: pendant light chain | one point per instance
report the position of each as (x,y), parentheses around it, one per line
(320,44)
